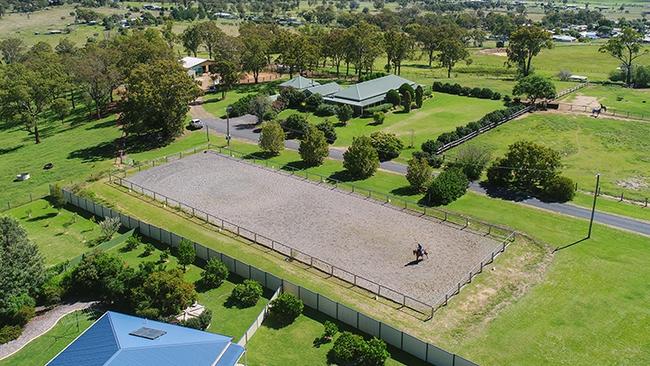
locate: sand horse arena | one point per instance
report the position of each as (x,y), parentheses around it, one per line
(358,235)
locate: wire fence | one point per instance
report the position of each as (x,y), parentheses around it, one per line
(458,221)
(23,199)
(621,196)
(609,112)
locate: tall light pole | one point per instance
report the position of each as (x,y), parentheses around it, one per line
(228,110)
(593,207)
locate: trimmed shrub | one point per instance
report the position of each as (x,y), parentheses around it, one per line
(419,96)
(200,322)
(361,159)
(431,146)
(438,86)
(286,308)
(242,106)
(376,353)
(472,160)
(419,173)
(292,98)
(447,187)
(475,92)
(246,294)
(507,98)
(214,273)
(393,97)
(559,189)
(325,110)
(385,107)
(496,96)
(388,146)
(404,88)
(344,113)
(370,76)
(132,243)
(378,117)
(486,93)
(407,100)
(295,125)
(148,249)
(328,129)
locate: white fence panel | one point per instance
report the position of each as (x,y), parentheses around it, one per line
(327,306)
(439,357)
(368,325)
(391,335)
(309,298)
(414,346)
(347,315)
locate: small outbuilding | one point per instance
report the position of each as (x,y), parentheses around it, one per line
(196,66)
(117,339)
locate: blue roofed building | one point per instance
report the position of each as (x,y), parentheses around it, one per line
(117,339)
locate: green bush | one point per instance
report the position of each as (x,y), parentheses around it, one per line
(201,322)
(388,145)
(419,173)
(385,107)
(325,110)
(378,117)
(9,333)
(214,273)
(272,138)
(447,187)
(431,146)
(330,329)
(291,97)
(286,307)
(313,101)
(435,161)
(344,113)
(295,125)
(327,128)
(148,249)
(313,147)
(246,294)
(242,106)
(348,349)
(132,243)
(393,97)
(472,160)
(376,353)
(361,159)
(559,189)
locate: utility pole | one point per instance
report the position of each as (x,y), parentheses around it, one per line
(593,207)
(228,110)
(207,132)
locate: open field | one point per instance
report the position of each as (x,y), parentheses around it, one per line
(614,206)
(615,148)
(359,233)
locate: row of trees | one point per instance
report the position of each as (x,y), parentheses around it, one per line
(43,81)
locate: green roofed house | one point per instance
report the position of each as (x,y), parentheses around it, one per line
(300,83)
(324,90)
(368,93)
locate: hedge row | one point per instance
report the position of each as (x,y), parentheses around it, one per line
(432,146)
(379,108)
(457,89)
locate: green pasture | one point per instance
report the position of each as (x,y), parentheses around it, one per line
(613,206)
(615,148)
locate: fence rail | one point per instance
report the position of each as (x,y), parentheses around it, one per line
(609,112)
(23,200)
(427,308)
(257,323)
(364,323)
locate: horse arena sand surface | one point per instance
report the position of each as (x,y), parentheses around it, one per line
(358,235)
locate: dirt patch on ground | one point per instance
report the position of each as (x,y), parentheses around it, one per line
(355,234)
(634,183)
(501,52)
(263,77)
(586,100)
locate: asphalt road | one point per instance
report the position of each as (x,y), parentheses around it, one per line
(244,128)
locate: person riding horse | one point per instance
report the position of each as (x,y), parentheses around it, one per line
(420,252)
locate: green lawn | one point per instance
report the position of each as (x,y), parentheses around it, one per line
(616,149)
(44,348)
(60,235)
(214,104)
(614,206)
(77,148)
(618,99)
(299,340)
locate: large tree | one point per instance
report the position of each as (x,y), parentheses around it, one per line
(451,46)
(255,46)
(626,47)
(21,264)
(525,43)
(313,147)
(365,45)
(361,159)
(399,46)
(97,72)
(12,49)
(334,47)
(228,75)
(191,39)
(156,99)
(211,36)
(534,87)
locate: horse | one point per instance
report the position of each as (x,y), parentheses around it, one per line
(420,254)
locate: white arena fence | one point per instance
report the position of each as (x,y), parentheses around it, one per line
(366,324)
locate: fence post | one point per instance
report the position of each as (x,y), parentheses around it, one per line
(621,196)
(646,202)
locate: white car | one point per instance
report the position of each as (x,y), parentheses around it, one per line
(196,124)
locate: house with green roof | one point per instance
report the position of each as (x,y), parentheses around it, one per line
(368,93)
(299,82)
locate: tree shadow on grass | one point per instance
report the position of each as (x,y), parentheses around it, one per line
(102,151)
(342,176)
(404,191)
(504,193)
(11,149)
(259,155)
(295,165)
(104,124)
(43,217)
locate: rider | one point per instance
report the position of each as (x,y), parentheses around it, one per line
(420,249)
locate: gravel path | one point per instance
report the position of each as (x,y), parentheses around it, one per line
(39,325)
(358,235)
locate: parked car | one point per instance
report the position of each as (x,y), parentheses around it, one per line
(195,124)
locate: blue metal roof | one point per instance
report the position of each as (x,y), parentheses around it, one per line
(108,343)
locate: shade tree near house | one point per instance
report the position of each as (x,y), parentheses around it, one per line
(534,88)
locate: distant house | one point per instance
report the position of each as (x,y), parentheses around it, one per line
(324,90)
(564,38)
(368,93)
(122,340)
(196,66)
(299,82)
